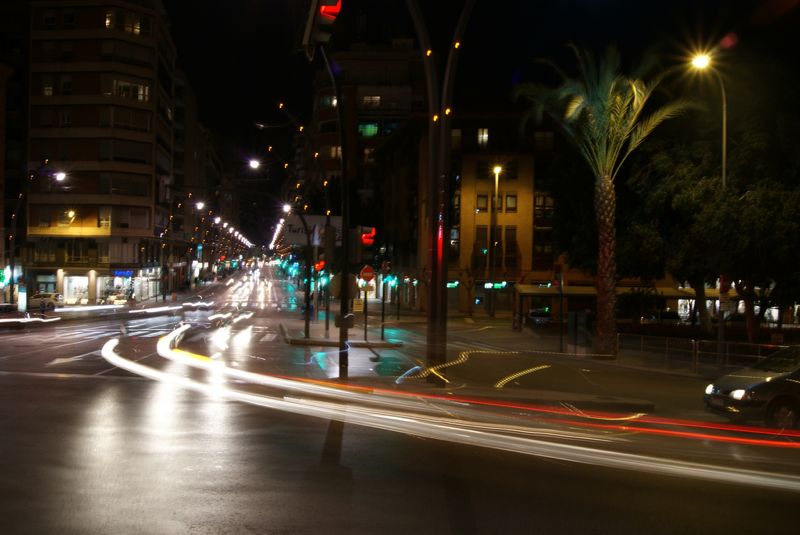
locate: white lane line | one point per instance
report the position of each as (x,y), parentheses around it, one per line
(268,337)
(65,360)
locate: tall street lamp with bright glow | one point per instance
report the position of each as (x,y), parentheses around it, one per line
(492,252)
(702,62)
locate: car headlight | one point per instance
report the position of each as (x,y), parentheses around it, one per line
(739,394)
(710,389)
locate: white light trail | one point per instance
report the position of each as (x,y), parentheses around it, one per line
(452,430)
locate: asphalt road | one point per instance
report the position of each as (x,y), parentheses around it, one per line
(124,455)
(89,448)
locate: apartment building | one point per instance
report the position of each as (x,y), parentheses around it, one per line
(101,111)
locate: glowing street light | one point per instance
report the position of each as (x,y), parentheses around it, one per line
(200,205)
(60,176)
(255,164)
(217,220)
(702,62)
(287,208)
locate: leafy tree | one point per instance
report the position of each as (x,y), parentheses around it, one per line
(602,113)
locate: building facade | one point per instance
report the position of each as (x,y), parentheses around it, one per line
(101,111)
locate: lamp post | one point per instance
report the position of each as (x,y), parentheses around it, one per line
(702,62)
(492,252)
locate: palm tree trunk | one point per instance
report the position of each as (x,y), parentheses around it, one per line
(605,204)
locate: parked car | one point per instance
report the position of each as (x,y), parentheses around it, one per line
(539,316)
(769,390)
(51,300)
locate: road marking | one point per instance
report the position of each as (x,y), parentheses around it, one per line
(64,360)
(269,337)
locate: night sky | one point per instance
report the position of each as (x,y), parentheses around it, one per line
(242,56)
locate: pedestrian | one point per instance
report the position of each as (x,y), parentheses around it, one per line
(42,307)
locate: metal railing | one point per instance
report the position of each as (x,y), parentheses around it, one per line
(686,355)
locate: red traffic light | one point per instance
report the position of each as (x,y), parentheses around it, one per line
(368,238)
(319,266)
(329,12)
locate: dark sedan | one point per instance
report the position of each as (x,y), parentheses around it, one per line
(768,390)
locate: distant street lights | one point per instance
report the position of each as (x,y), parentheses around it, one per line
(702,62)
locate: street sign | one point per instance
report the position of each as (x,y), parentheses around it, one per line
(358,305)
(367,273)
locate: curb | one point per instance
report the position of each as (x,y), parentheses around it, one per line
(327,342)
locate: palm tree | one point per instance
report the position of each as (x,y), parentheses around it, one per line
(601,111)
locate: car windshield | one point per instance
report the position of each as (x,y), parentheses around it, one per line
(785,360)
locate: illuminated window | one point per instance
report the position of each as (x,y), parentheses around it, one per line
(335,151)
(368,129)
(483,137)
(109,19)
(131,90)
(369,154)
(482,203)
(47,86)
(511,203)
(371,101)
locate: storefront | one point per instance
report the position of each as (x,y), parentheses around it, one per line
(116,285)
(76,289)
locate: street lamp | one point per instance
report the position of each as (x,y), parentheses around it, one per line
(254,164)
(492,252)
(702,62)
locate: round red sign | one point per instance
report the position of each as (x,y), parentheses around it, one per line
(367,273)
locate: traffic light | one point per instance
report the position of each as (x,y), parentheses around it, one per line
(367,236)
(361,241)
(321,14)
